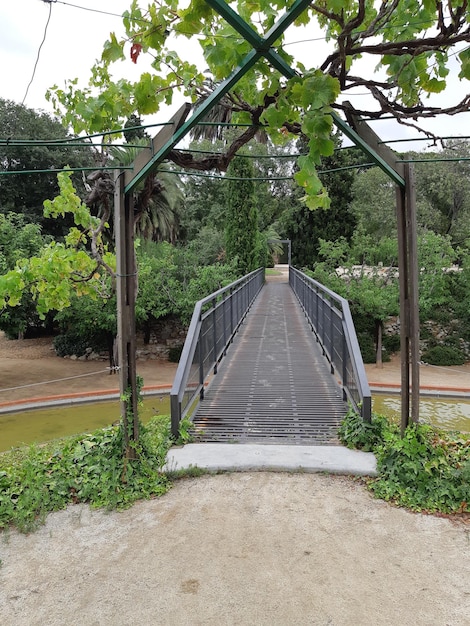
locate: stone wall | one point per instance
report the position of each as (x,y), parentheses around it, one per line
(162,335)
(439,333)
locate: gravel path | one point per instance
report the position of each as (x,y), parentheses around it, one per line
(255,548)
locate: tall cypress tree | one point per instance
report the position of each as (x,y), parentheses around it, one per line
(241,230)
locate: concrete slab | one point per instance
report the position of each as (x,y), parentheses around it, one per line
(249,457)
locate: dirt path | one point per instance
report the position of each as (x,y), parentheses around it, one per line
(26,365)
(240,549)
(456,377)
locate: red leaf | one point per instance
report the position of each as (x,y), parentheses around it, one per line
(135,51)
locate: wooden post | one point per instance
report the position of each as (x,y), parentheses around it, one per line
(403,271)
(411,229)
(126,293)
(409,304)
(126,276)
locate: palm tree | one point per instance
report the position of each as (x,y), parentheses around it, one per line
(158,200)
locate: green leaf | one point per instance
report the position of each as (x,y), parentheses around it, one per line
(112,50)
(464,57)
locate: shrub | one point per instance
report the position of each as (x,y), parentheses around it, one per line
(86,468)
(70,343)
(425,470)
(391,343)
(443,355)
(175,353)
(355,432)
(367,346)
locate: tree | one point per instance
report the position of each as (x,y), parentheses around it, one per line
(373,203)
(242,243)
(305,228)
(19,240)
(26,136)
(81,264)
(412,56)
(371,290)
(443,188)
(158,200)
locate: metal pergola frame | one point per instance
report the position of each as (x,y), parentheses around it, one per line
(356,130)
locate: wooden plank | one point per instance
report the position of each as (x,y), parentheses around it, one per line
(145,156)
(368,135)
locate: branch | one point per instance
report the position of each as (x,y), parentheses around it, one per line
(413,47)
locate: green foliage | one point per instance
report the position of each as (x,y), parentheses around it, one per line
(87,323)
(355,432)
(61,270)
(19,239)
(301,100)
(70,343)
(24,194)
(443,355)
(374,202)
(443,192)
(435,256)
(171,281)
(88,468)
(425,470)
(306,228)
(175,353)
(391,343)
(241,230)
(367,346)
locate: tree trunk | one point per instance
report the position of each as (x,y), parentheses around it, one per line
(378,332)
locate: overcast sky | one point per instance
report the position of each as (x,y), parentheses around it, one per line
(74,40)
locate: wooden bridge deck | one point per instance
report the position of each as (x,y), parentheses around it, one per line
(274,385)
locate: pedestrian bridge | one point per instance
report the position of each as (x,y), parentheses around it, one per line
(273,362)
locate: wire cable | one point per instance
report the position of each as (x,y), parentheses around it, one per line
(39,50)
(76,6)
(57,380)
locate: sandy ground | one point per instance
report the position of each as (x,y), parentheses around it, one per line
(456,377)
(255,548)
(241,549)
(31,369)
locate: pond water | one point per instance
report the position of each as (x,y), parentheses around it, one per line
(61,421)
(447,413)
(41,425)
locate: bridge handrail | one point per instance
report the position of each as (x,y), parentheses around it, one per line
(330,318)
(214,322)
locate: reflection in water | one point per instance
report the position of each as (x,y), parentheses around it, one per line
(447,413)
(46,424)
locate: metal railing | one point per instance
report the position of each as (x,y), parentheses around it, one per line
(330,318)
(215,320)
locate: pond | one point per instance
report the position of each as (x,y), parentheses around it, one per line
(447,413)
(39,425)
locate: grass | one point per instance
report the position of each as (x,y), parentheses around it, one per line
(270,272)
